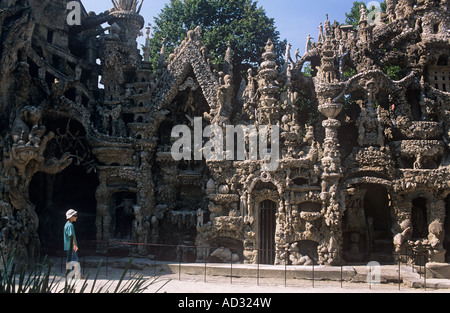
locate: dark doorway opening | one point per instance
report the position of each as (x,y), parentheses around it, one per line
(122,213)
(379,223)
(53,195)
(419,218)
(267,225)
(73,188)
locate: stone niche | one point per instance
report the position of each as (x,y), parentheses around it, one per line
(439,74)
(419,154)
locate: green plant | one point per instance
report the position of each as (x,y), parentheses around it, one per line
(242,23)
(394,72)
(35,281)
(40,279)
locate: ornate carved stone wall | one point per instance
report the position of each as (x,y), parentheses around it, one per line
(365,180)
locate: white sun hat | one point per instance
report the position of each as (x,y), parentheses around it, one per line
(70,213)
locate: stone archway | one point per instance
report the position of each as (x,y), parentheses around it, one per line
(53,193)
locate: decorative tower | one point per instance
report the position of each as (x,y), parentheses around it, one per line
(327,72)
(327,87)
(120,56)
(267,110)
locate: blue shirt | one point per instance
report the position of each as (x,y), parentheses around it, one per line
(69,231)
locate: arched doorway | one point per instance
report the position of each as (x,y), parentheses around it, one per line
(378,220)
(267,225)
(53,195)
(73,188)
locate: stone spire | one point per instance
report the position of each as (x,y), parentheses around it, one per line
(146,47)
(228,64)
(128,5)
(267,75)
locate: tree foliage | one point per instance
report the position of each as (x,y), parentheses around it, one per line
(240,22)
(353,17)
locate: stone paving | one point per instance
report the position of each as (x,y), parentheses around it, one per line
(169,277)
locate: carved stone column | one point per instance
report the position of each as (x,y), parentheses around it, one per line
(331,196)
(103,218)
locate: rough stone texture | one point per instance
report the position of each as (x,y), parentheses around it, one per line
(368,181)
(438,270)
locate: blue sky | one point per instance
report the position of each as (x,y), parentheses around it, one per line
(295,19)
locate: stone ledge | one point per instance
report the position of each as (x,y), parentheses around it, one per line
(438,270)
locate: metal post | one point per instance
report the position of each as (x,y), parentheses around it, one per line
(420,257)
(154,261)
(107,257)
(257,274)
(399,268)
(205,255)
(231,270)
(285,270)
(204,279)
(406,257)
(425,270)
(179,266)
(313,275)
(341,276)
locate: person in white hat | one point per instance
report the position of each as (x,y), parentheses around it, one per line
(69,237)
